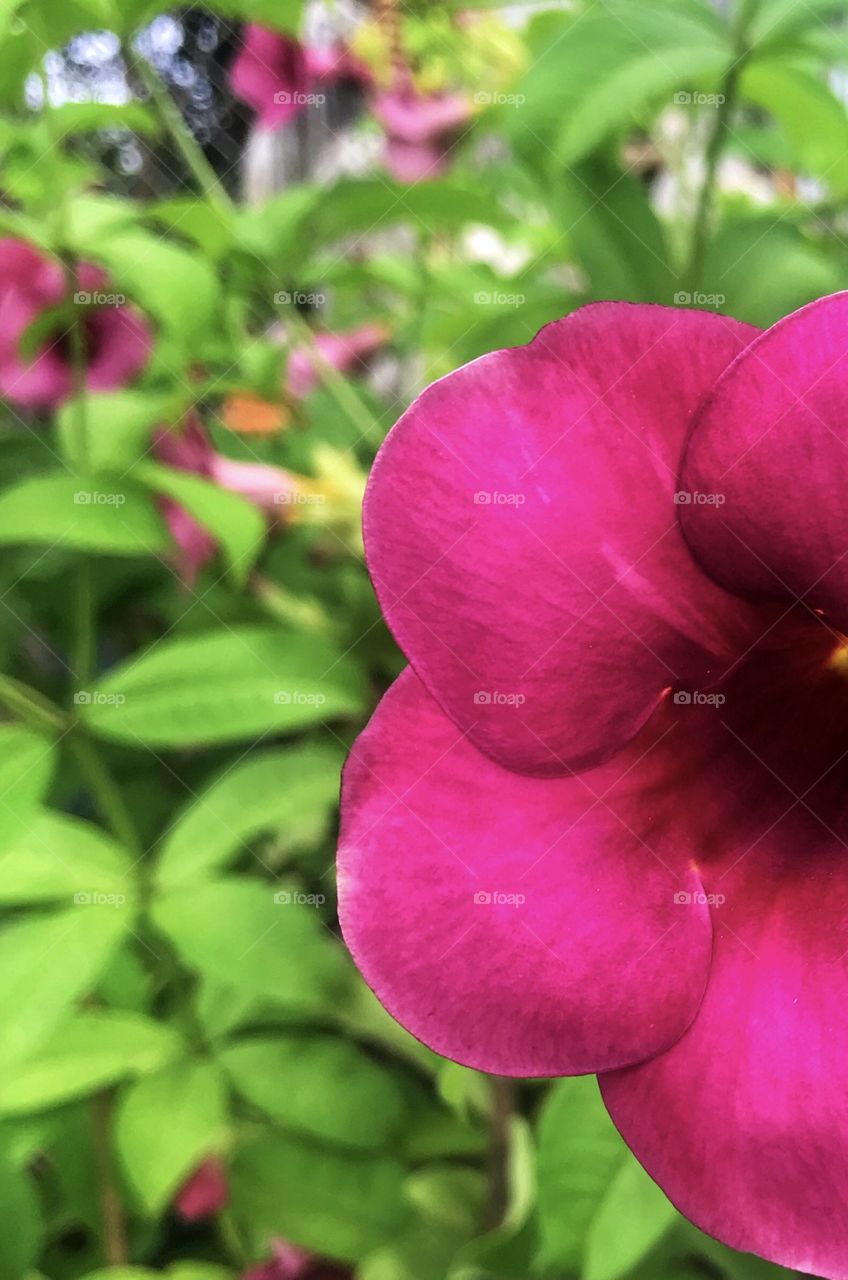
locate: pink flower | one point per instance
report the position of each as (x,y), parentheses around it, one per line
(347,352)
(420,129)
(275,74)
(617,767)
(205,1193)
(191,450)
(117,339)
(291,1263)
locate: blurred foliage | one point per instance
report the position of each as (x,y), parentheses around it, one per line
(175,987)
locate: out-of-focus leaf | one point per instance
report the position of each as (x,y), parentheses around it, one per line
(27,760)
(235,523)
(579,1154)
(85,117)
(109,515)
(21,1234)
(85,1053)
(47,962)
(340,1205)
(234,931)
(632,1219)
(57,857)
(508,1250)
(118,425)
(271,790)
(223,687)
(813,120)
(333,1091)
(166,1124)
(777,21)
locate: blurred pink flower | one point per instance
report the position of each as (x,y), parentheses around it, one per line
(118,340)
(347,352)
(191,450)
(420,129)
(292,1263)
(205,1192)
(275,74)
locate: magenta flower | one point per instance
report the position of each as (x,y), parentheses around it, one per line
(118,341)
(347,352)
(205,1193)
(191,450)
(275,74)
(292,1263)
(599,824)
(420,130)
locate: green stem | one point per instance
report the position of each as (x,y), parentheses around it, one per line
(190,150)
(338,386)
(497,1198)
(30,706)
(105,792)
(115,1246)
(692,276)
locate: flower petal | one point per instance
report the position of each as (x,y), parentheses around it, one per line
(520,925)
(742,1122)
(521,534)
(771,444)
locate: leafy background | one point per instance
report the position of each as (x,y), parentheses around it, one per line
(175,991)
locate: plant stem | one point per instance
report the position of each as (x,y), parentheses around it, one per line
(498,1155)
(338,386)
(30,706)
(115,1244)
(105,792)
(691,278)
(190,150)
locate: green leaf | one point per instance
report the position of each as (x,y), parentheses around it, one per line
(118,425)
(165,1125)
(57,857)
(333,1090)
(763,270)
(234,931)
(112,516)
(339,1205)
(175,286)
(775,21)
(633,1217)
(579,1154)
(47,962)
(21,1235)
(235,523)
(813,120)
(276,790)
(27,761)
(225,686)
(84,1054)
(616,98)
(84,117)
